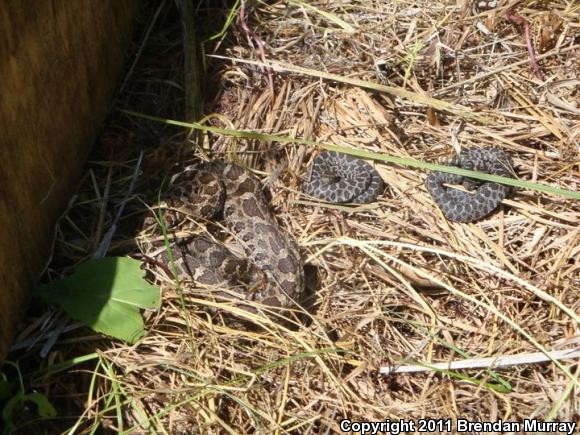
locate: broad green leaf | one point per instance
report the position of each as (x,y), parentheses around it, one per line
(106,294)
(15,404)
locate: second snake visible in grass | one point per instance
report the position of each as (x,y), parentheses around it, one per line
(459,206)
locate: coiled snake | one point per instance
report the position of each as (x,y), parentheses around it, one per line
(272,271)
(337,177)
(461,206)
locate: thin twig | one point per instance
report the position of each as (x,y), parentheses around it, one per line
(518,19)
(493,362)
(106,242)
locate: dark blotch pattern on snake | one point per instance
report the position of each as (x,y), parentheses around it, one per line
(271,272)
(337,177)
(459,206)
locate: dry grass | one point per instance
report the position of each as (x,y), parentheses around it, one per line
(394,281)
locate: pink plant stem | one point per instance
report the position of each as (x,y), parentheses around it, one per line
(250,34)
(510,16)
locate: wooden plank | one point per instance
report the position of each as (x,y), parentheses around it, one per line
(59,66)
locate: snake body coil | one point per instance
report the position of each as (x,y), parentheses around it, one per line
(462,206)
(340,178)
(271,272)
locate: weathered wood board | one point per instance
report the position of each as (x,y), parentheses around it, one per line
(59,65)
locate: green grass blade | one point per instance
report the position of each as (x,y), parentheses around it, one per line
(403,161)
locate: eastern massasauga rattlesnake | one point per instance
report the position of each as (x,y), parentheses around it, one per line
(461,206)
(272,271)
(340,178)
(337,177)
